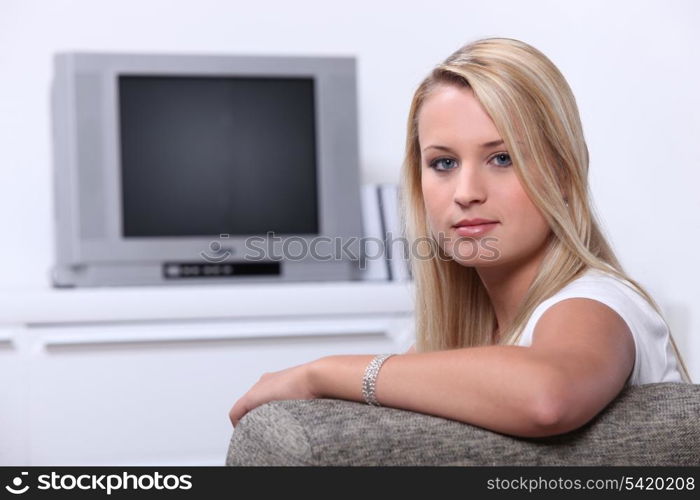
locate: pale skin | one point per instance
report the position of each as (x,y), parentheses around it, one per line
(582,351)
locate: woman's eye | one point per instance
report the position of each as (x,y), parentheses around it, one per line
(441,164)
(447,164)
(505,157)
(502,160)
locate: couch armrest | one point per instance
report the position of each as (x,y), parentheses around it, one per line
(652,424)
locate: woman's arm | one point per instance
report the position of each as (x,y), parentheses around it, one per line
(582,353)
(507,389)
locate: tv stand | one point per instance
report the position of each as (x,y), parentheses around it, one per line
(146,375)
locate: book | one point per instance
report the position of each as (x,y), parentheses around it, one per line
(396,245)
(373,258)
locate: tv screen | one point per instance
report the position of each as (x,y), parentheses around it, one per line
(242,166)
(204,156)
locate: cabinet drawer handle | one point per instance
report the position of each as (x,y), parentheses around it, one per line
(178,333)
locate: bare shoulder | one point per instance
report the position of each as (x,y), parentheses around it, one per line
(592,351)
(585,327)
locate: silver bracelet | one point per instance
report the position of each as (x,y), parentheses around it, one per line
(370,378)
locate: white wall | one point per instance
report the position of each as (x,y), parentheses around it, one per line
(631,64)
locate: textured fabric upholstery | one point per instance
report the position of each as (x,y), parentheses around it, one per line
(652,424)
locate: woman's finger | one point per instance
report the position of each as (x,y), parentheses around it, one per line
(237,412)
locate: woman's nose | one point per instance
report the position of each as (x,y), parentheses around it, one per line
(470,186)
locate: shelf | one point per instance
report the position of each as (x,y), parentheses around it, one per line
(215,330)
(240,301)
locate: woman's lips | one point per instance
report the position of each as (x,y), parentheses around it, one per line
(476,230)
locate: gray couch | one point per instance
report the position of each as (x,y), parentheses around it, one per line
(653,424)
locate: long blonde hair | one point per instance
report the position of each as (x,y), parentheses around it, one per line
(536,114)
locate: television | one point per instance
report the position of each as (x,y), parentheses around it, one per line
(177,169)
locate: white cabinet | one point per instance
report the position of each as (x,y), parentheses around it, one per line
(13,390)
(114,381)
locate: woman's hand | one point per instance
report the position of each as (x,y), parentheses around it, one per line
(291,383)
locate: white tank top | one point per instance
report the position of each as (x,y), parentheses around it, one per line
(654,359)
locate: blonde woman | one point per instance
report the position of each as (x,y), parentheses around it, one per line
(526,323)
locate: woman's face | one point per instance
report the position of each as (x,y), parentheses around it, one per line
(465,177)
